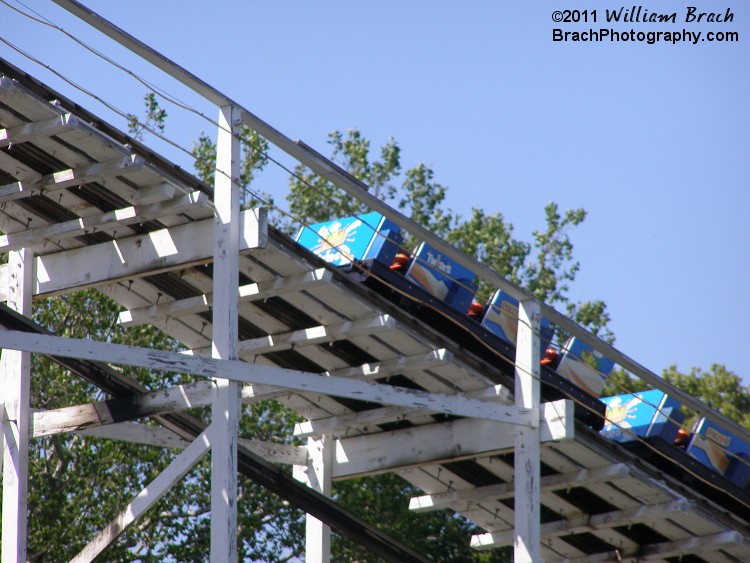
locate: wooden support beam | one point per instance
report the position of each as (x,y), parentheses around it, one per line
(693,545)
(526,475)
(700,546)
(246,294)
(4,270)
(402,364)
(583,522)
(110,220)
(90,415)
(460,500)
(70,178)
(439,442)
(134,432)
(82,418)
(272,376)
(175,471)
(286,454)
(15,395)
(155,194)
(38,129)
(3,427)
(160,436)
(361,421)
(141,255)
(322,334)
(316,474)
(226,408)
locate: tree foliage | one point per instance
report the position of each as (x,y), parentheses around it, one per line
(156,118)
(253,151)
(718,388)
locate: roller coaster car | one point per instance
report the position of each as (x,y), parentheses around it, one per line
(642,415)
(438,291)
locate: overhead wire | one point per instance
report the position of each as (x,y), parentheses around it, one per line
(43,20)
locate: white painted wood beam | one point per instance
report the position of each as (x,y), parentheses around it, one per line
(159,436)
(71,177)
(402,364)
(175,471)
(89,415)
(137,433)
(3,423)
(316,474)
(460,500)
(141,255)
(286,454)
(322,334)
(226,409)
(154,194)
(440,442)
(15,394)
(4,271)
(246,294)
(37,129)
(693,545)
(583,522)
(80,418)
(526,474)
(268,375)
(110,220)
(361,421)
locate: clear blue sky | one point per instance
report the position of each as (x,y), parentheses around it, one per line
(651,139)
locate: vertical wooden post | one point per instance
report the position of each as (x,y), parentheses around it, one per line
(226,408)
(15,390)
(526,466)
(317,534)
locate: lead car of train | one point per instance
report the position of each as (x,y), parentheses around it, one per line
(441,292)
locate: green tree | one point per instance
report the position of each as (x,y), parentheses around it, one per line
(253,151)
(314,199)
(718,388)
(156,118)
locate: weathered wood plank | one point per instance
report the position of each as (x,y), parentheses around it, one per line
(15,395)
(81,417)
(460,498)
(300,381)
(583,522)
(113,219)
(140,255)
(34,130)
(433,443)
(70,178)
(246,294)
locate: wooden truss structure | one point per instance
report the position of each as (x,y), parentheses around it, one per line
(82,206)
